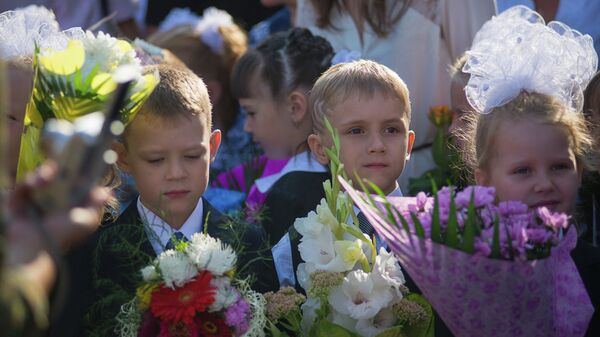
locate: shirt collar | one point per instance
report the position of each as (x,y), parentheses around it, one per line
(159,232)
(304,162)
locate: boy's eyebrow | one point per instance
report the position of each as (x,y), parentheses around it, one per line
(360,120)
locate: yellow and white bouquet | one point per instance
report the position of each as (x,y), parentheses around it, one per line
(75,81)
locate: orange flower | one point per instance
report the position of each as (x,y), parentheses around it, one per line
(183,303)
(440,115)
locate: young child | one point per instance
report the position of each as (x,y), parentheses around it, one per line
(368,104)
(167,149)
(531,142)
(272,84)
(210,45)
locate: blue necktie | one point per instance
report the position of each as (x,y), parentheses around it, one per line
(175,238)
(364,224)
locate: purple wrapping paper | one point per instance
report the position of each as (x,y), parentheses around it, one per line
(480,296)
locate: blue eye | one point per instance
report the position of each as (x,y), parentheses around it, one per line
(355,131)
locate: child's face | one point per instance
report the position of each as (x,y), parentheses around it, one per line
(268,122)
(533,163)
(374,138)
(169,160)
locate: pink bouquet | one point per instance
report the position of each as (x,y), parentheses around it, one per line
(487,269)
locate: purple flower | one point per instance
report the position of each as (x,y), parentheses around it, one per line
(553,220)
(481,196)
(508,208)
(539,236)
(236,316)
(482,248)
(421,200)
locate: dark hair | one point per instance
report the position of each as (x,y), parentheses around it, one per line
(285,61)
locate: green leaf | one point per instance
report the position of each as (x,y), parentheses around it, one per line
(425,328)
(469,231)
(496,240)
(325,328)
(436,228)
(452,227)
(418,226)
(510,245)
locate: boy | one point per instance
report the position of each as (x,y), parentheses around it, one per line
(369,106)
(167,149)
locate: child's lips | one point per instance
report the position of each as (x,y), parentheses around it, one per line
(376,165)
(176,193)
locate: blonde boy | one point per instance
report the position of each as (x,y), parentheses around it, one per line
(368,104)
(167,149)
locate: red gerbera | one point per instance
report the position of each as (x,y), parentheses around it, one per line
(182,303)
(211,325)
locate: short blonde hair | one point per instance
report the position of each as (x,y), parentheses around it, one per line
(361,77)
(180,93)
(542,108)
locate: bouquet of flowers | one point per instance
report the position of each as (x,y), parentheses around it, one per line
(352,289)
(191,291)
(74,78)
(488,269)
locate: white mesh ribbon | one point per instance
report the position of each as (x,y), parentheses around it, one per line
(208,28)
(516,51)
(178,17)
(21,29)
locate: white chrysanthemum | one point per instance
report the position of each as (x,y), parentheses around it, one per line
(107,53)
(358,296)
(210,254)
(150,274)
(225,294)
(387,272)
(176,268)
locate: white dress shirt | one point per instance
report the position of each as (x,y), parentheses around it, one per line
(159,232)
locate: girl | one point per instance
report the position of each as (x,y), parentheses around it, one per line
(530,141)
(210,45)
(272,84)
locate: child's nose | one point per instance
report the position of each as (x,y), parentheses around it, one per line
(175,170)
(376,143)
(543,183)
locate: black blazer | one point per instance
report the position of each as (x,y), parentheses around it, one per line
(122,248)
(292,196)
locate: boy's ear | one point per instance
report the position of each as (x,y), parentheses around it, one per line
(121,150)
(481,177)
(317,148)
(411,142)
(298,106)
(214,143)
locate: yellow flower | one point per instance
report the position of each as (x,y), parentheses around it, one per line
(64,62)
(144,294)
(103,84)
(350,251)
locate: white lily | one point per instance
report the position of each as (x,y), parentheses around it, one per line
(359,297)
